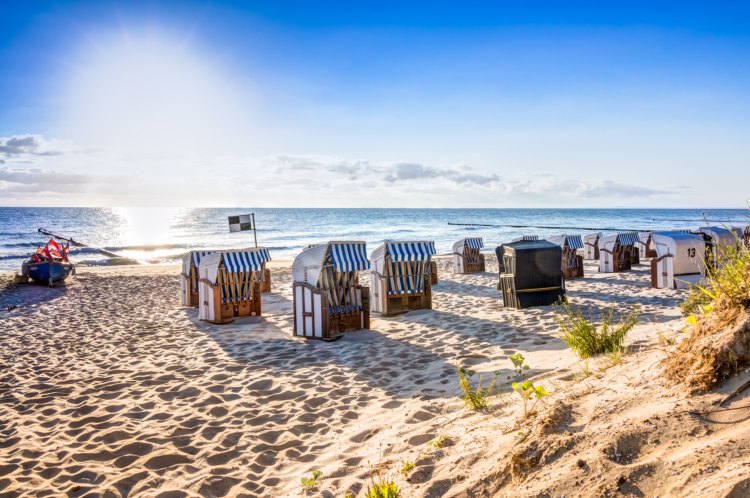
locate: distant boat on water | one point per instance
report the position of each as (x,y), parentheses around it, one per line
(49,264)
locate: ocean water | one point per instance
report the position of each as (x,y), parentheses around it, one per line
(163,235)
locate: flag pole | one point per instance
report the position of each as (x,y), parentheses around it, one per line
(255,231)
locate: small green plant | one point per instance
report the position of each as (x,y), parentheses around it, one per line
(520,437)
(407,466)
(588,339)
(474,398)
(349,494)
(381,487)
(585,372)
(519,363)
(613,359)
(526,390)
(439,441)
(312,481)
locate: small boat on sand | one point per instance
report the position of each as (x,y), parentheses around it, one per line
(49,264)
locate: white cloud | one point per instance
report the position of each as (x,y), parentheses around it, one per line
(78,176)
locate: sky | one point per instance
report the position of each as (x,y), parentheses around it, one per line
(375,104)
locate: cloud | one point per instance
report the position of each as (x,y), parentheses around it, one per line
(548,185)
(416,171)
(39,176)
(26,145)
(620,190)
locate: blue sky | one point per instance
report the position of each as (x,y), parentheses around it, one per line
(375,104)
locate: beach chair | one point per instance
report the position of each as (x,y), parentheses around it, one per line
(617,252)
(645,245)
(679,261)
(718,241)
(572,262)
(530,274)
(401,277)
(189,277)
(591,246)
(467,257)
(433,273)
(328,299)
(229,284)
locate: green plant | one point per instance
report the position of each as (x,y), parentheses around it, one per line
(716,312)
(349,494)
(381,487)
(614,358)
(728,276)
(526,390)
(312,481)
(439,441)
(588,339)
(519,363)
(474,398)
(407,466)
(585,372)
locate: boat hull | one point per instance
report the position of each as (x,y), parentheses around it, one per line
(48,273)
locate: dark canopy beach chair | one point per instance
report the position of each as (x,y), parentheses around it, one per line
(530,273)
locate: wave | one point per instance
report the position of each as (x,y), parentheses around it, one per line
(108,262)
(145,247)
(21,245)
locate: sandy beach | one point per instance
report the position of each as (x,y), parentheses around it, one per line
(108,387)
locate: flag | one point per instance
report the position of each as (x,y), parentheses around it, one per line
(242,222)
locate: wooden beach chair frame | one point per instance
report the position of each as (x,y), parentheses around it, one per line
(237,291)
(404,285)
(336,304)
(508,288)
(663,274)
(572,262)
(470,260)
(595,245)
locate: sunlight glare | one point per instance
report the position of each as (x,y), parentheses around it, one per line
(151,94)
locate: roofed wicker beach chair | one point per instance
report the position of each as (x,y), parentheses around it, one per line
(328,299)
(525,238)
(572,262)
(530,274)
(467,257)
(617,252)
(189,277)
(645,245)
(718,241)
(680,260)
(591,246)
(229,284)
(401,277)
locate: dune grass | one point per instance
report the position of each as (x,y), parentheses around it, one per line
(718,335)
(587,338)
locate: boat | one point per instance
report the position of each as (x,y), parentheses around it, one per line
(49,264)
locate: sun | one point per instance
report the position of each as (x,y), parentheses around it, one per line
(150,92)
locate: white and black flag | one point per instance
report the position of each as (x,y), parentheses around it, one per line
(242,222)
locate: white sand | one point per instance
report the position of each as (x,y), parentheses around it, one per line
(108,387)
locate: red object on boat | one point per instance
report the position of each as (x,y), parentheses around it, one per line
(52,252)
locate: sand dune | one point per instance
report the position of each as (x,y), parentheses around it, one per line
(110,388)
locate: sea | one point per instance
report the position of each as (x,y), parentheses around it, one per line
(163,235)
